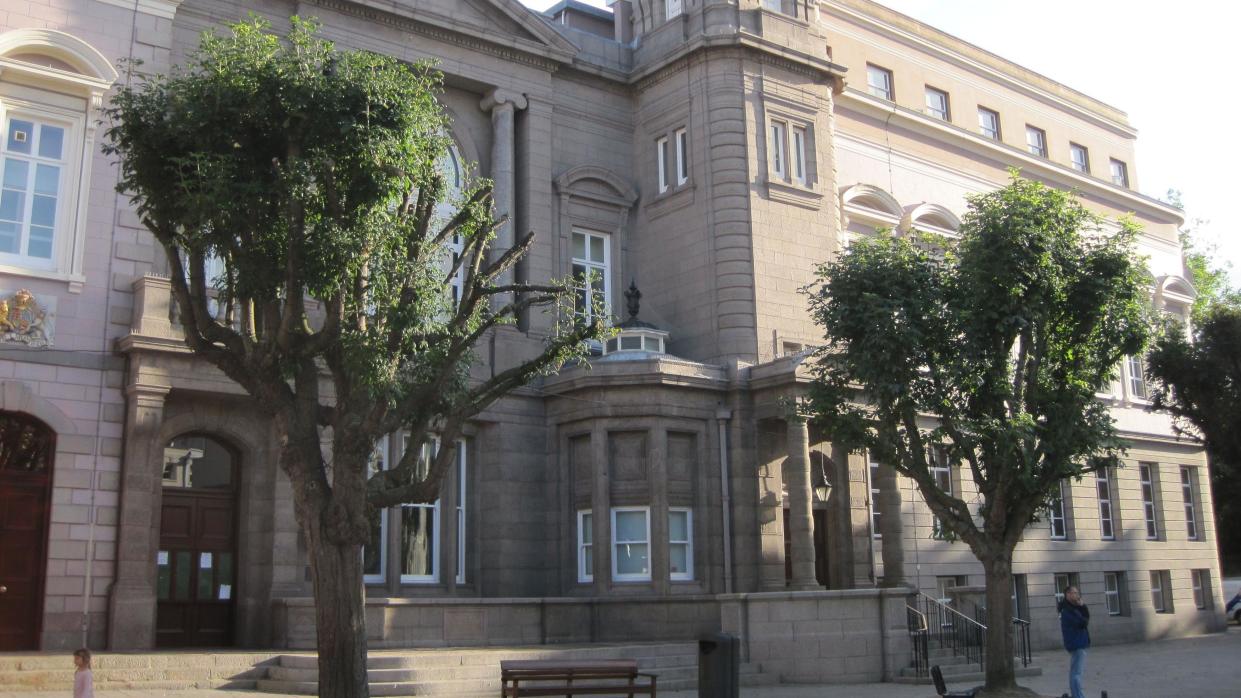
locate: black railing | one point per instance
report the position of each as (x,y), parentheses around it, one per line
(919,647)
(952,630)
(1021,641)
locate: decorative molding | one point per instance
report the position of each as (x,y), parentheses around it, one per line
(625,194)
(164,9)
(89,62)
(500,97)
(26,319)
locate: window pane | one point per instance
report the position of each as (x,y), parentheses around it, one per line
(372,552)
(43,211)
(596,249)
(678,526)
(184,560)
(417,541)
(15,173)
(11,205)
(198,462)
(8,237)
(21,133)
(630,526)
(631,559)
(47,180)
(40,243)
(579,247)
(51,141)
(163,580)
(678,558)
(588,534)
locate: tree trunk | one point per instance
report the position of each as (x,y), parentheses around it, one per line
(340,614)
(999,661)
(891,526)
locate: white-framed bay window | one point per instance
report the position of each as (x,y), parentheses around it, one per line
(375,552)
(631,549)
(592,268)
(585,546)
(680,543)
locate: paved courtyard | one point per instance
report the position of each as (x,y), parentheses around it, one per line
(1196,667)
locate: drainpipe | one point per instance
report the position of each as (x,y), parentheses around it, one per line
(726,507)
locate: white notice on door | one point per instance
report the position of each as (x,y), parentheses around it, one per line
(226,592)
(204,561)
(161,558)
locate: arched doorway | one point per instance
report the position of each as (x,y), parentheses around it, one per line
(196,568)
(27,449)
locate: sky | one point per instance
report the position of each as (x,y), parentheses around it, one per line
(1167,65)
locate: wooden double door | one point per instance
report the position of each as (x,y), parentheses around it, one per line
(27,447)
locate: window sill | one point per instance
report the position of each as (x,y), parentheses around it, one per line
(75,281)
(674,199)
(795,194)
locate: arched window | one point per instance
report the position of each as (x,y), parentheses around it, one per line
(451,169)
(51,89)
(198,462)
(931,218)
(27,445)
(865,208)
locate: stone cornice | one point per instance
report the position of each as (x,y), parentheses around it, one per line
(747,46)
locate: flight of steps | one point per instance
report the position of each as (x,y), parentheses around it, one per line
(159,671)
(469,672)
(957,670)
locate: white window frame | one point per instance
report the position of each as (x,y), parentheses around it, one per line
(661,162)
(1148,483)
(779,145)
(875,514)
(1135,378)
(1107,517)
(1199,587)
(1159,591)
(797,154)
(1187,499)
(462,473)
(672,8)
(941,111)
(884,91)
(1112,584)
(984,116)
(687,575)
(1120,172)
(618,576)
(437,530)
(1064,579)
(940,468)
(585,540)
(445,209)
(1056,514)
(1082,165)
(33,161)
(681,136)
(381,447)
(603,269)
(1036,141)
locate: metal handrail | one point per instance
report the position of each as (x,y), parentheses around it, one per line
(919,646)
(1021,640)
(953,630)
(952,610)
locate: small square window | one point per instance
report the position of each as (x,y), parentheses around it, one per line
(1080,157)
(879,82)
(1036,141)
(937,103)
(989,123)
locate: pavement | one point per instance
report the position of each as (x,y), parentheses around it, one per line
(1194,667)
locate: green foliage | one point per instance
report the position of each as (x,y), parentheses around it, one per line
(1212,281)
(992,352)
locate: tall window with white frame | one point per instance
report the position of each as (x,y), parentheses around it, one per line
(1021,603)
(682,139)
(451,170)
(680,544)
(879,82)
(1107,521)
(375,552)
(1036,141)
(661,162)
(1080,157)
(30,196)
(1120,173)
(941,472)
(631,535)
(1147,474)
(461,500)
(989,123)
(1064,580)
(1201,582)
(779,143)
(1113,592)
(1135,367)
(591,274)
(420,525)
(585,546)
(1056,515)
(875,514)
(1187,500)
(937,103)
(797,154)
(1161,591)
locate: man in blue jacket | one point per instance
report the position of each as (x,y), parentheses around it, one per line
(1074,617)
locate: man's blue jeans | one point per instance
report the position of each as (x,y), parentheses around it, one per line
(1077,666)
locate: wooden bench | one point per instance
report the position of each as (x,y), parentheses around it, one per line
(573,678)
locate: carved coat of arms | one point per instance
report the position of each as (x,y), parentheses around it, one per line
(24,320)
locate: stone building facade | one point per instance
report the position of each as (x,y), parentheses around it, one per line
(708,152)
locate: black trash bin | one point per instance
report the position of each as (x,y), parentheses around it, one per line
(719,666)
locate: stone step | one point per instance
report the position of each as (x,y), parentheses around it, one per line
(966,679)
(434,688)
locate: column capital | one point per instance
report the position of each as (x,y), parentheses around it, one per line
(500,97)
(147,394)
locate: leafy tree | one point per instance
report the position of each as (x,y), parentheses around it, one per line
(1211,281)
(311,174)
(989,353)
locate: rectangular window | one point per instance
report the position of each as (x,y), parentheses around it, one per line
(30,190)
(1136,368)
(661,163)
(680,543)
(1114,592)
(585,546)
(461,482)
(989,123)
(773,5)
(1120,173)
(797,155)
(1201,580)
(682,139)
(1036,141)
(672,8)
(631,534)
(1063,580)
(1055,515)
(1080,157)
(420,526)
(591,275)
(879,82)
(1187,499)
(941,471)
(1107,522)
(937,103)
(944,583)
(1021,602)
(375,552)
(1146,475)
(874,496)
(1161,591)
(779,141)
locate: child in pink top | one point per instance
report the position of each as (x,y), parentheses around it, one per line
(83,679)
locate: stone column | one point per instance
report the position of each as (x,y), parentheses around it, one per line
(131,609)
(801,523)
(503,106)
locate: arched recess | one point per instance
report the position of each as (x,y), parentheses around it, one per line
(594,200)
(22,49)
(931,218)
(867,203)
(1175,296)
(16,396)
